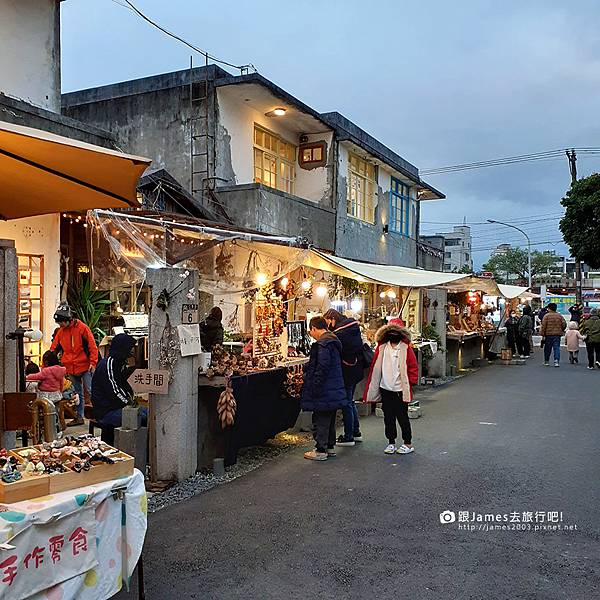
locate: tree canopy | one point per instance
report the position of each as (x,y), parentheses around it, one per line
(581,224)
(514,262)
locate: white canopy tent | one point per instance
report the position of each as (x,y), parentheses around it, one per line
(408,277)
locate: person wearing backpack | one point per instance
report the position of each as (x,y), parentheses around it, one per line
(525,329)
(74,342)
(353,368)
(590,328)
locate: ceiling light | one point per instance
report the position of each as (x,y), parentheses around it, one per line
(276,112)
(356,305)
(306,285)
(321,291)
(391,294)
(261,279)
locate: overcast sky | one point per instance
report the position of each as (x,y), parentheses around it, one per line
(440,83)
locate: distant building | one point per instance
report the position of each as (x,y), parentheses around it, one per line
(457,249)
(501,250)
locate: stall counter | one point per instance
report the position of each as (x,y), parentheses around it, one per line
(263,410)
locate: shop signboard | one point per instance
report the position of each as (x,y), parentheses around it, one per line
(149,381)
(563,303)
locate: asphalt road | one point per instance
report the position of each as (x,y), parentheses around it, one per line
(366,525)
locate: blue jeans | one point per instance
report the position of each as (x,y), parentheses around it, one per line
(552,342)
(350,414)
(79,382)
(115,417)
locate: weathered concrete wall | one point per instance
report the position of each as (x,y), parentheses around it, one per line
(255,206)
(425,258)
(360,240)
(22,113)
(8,323)
(30,51)
(153,124)
(174,417)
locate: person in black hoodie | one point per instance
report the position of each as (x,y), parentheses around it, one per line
(110,389)
(353,368)
(211,329)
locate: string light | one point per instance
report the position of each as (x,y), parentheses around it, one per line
(261,279)
(306,285)
(321,291)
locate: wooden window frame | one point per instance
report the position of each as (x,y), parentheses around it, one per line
(361,186)
(313,163)
(281,158)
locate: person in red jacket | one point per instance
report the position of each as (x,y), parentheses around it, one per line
(75,343)
(393,372)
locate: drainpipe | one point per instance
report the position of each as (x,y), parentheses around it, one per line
(335,168)
(418,230)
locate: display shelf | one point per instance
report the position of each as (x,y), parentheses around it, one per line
(30,300)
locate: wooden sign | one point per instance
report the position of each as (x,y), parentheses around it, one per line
(189,314)
(149,381)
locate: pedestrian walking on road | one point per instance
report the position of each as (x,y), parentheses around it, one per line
(393,373)
(572,339)
(512,332)
(324,391)
(590,328)
(553,328)
(576,312)
(525,330)
(353,369)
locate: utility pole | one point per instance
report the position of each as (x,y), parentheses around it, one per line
(572,157)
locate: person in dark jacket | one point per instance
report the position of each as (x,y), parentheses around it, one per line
(211,329)
(353,368)
(323,391)
(110,389)
(525,329)
(576,312)
(512,334)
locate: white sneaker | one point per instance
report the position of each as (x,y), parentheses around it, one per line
(404,449)
(391,449)
(556,363)
(314,455)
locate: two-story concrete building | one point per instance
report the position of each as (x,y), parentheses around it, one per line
(259,158)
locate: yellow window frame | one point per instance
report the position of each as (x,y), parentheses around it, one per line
(360,197)
(274,160)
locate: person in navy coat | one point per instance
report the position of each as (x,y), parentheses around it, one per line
(323,391)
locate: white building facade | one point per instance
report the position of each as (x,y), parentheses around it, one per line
(457,249)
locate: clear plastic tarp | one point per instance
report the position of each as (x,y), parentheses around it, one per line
(124,244)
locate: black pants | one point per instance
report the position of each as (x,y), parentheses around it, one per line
(593,348)
(395,408)
(510,342)
(324,429)
(525,346)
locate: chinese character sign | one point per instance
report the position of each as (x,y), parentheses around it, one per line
(149,381)
(44,555)
(189,339)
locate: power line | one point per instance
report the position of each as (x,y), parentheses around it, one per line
(482,249)
(532,218)
(507,160)
(209,56)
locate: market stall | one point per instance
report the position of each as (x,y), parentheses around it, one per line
(264,290)
(72,522)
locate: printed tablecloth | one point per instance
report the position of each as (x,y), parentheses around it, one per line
(82,544)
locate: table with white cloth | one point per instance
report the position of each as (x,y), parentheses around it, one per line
(81,544)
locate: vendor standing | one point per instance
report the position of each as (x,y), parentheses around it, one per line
(211,329)
(74,342)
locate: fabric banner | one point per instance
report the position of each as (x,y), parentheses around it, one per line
(113,515)
(46,553)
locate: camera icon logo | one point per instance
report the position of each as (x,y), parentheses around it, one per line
(447,516)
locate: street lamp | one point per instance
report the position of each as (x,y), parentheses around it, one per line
(528,245)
